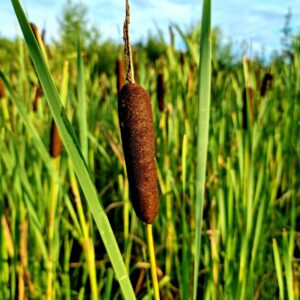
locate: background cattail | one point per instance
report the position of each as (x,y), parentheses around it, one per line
(37,97)
(120,73)
(160,91)
(267,79)
(55,141)
(2,90)
(35,30)
(137,131)
(248,95)
(182,58)
(39,39)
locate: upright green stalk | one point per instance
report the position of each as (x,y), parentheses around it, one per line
(51,259)
(152,261)
(203,129)
(82,104)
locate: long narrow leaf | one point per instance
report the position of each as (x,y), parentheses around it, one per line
(81,103)
(203,129)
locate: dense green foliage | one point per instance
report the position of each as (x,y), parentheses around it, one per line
(250,232)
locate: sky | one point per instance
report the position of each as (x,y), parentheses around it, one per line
(257,22)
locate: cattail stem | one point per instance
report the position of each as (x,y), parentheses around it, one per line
(152,261)
(127,47)
(53,204)
(87,243)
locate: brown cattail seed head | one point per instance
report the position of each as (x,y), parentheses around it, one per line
(267,78)
(182,58)
(160,90)
(137,131)
(248,95)
(35,30)
(2,90)
(120,72)
(55,142)
(38,95)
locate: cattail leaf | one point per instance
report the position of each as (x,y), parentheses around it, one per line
(203,129)
(82,103)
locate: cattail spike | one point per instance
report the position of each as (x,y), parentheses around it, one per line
(37,97)
(267,79)
(2,90)
(248,96)
(137,131)
(160,90)
(55,142)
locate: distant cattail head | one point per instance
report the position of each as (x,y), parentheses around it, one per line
(55,142)
(190,84)
(268,78)
(248,95)
(2,90)
(137,131)
(120,73)
(160,90)
(35,30)
(182,58)
(37,97)
(103,92)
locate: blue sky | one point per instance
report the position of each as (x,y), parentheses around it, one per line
(258,22)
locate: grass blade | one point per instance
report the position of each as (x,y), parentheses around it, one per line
(82,103)
(203,129)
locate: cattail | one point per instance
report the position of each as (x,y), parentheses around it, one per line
(137,131)
(2,90)
(39,39)
(190,85)
(37,97)
(103,92)
(160,91)
(35,30)
(267,79)
(248,95)
(55,142)
(182,58)
(120,72)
